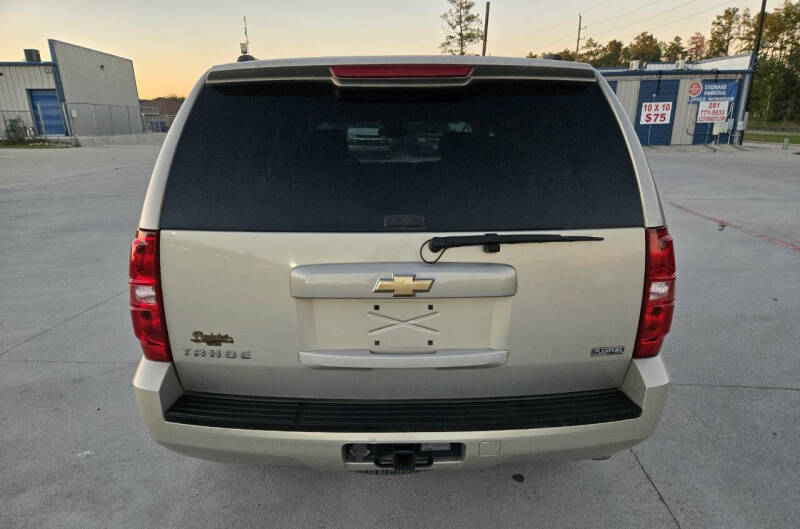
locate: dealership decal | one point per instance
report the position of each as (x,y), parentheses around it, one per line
(656,113)
(215,339)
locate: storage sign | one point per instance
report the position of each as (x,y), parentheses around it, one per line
(721,90)
(656,113)
(712,112)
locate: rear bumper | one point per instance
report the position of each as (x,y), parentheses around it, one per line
(157,387)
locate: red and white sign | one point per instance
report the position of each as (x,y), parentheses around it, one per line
(695,88)
(656,113)
(712,111)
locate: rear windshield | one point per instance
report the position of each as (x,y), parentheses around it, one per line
(313,158)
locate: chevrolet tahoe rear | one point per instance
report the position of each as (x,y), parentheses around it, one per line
(401,263)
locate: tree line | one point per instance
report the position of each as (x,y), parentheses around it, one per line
(776,84)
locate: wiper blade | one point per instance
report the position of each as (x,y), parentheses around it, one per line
(491,241)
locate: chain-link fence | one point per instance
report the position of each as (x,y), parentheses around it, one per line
(92,119)
(78,119)
(44,120)
(16,125)
(154,121)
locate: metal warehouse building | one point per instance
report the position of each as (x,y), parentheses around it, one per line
(79,92)
(685,103)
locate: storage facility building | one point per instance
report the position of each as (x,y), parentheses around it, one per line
(79,92)
(85,92)
(685,103)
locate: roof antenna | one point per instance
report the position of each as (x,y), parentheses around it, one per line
(245,46)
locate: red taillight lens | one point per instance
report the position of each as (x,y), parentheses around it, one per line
(401,70)
(659,293)
(147,307)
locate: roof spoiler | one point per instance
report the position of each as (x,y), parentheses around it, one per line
(381,74)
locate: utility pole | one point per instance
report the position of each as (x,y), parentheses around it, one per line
(578,42)
(485,28)
(754,64)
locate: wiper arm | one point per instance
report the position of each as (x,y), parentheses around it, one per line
(491,241)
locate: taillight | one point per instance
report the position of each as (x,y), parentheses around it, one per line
(147,304)
(659,293)
(401,70)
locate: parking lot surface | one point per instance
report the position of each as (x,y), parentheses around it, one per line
(74,453)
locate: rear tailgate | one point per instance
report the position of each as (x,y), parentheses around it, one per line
(278,229)
(569,299)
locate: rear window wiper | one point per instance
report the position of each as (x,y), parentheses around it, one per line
(491,241)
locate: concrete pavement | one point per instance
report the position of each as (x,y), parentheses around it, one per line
(73,452)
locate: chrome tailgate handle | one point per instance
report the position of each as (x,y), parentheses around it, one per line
(366,359)
(443,280)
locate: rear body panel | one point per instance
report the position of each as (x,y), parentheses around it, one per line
(569,299)
(292,205)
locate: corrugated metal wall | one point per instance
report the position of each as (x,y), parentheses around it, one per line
(628,94)
(703,132)
(15,81)
(656,91)
(99,90)
(684,114)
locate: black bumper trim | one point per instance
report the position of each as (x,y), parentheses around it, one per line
(450,415)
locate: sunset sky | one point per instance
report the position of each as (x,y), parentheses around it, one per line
(172,43)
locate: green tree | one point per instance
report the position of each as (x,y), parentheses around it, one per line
(564,55)
(611,54)
(590,52)
(723,33)
(696,49)
(531,55)
(674,50)
(775,94)
(785,28)
(745,33)
(644,48)
(462,27)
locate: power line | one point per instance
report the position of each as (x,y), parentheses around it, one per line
(569,18)
(561,23)
(682,18)
(690,16)
(646,18)
(558,39)
(564,21)
(626,13)
(596,5)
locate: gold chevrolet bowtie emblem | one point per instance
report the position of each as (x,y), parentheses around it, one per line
(403,286)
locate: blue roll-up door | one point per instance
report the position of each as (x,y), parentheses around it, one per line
(46,112)
(613,85)
(656,92)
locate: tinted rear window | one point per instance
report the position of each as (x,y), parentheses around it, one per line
(493,156)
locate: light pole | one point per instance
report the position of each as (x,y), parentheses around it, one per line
(753,65)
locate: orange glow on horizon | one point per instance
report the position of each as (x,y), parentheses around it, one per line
(173,43)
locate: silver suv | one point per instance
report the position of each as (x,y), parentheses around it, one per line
(398,263)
